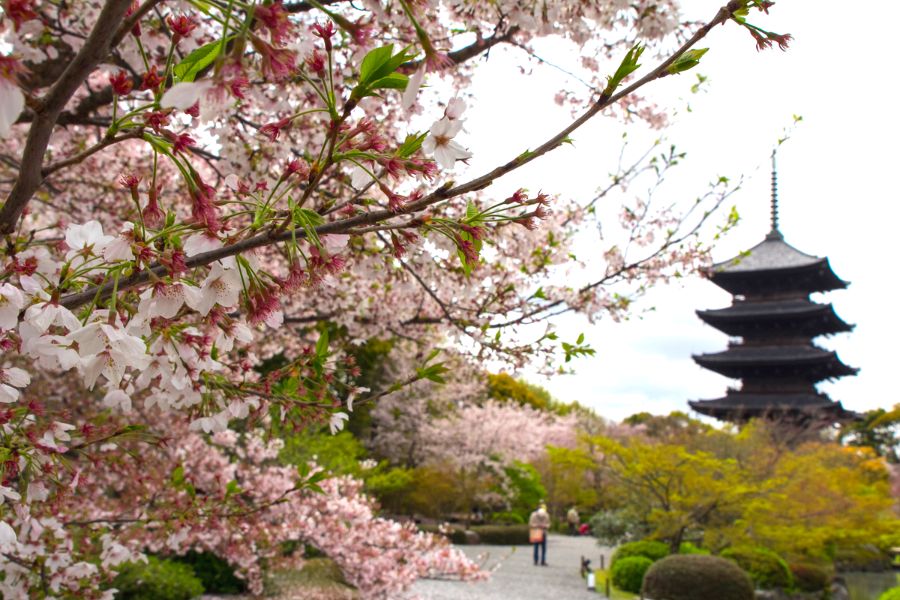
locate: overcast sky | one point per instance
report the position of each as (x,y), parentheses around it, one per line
(836,180)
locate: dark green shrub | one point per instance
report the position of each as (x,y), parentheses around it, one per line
(502,535)
(507,518)
(157,580)
(861,558)
(647,548)
(628,573)
(696,577)
(810,577)
(891,594)
(216,575)
(767,570)
(689,548)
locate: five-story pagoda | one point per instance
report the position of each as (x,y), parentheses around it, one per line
(776,322)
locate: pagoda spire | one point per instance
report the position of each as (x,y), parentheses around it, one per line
(774,233)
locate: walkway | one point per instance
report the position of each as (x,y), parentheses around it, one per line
(515,576)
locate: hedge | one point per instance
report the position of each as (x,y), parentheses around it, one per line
(498,535)
(647,548)
(767,570)
(809,577)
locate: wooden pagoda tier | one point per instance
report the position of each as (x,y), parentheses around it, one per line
(774,323)
(795,408)
(789,318)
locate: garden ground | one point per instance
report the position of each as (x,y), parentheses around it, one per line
(515,576)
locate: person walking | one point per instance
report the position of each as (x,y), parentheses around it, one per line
(538,524)
(573,519)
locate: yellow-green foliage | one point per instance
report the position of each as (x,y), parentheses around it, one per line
(797,495)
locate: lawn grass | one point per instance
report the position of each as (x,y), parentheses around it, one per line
(601,575)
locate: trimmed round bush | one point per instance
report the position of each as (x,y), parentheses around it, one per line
(696,577)
(891,594)
(810,577)
(628,573)
(767,570)
(157,580)
(647,548)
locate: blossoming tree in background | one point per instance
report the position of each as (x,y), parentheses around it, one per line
(193,188)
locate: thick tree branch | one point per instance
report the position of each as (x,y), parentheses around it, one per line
(95,49)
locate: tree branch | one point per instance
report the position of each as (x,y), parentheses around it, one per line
(48,109)
(445,192)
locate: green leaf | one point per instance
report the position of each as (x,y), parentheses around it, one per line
(472,211)
(322,345)
(377,71)
(580,339)
(374,63)
(309,220)
(178,476)
(628,66)
(467,268)
(394,81)
(199,59)
(688,60)
(232,488)
(411,144)
(433,373)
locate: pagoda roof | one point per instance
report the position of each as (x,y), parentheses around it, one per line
(775,265)
(798,314)
(770,254)
(812,362)
(740,406)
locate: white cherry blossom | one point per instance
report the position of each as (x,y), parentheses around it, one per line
(11,302)
(12,101)
(120,246)
(165,300)
(7,537)
(117,399)
(12,378)
(108,350)
(222,286)
(185,94)
(441,145)
(455,108)
(44,314)
(213,424)
(86,238)
(336,423)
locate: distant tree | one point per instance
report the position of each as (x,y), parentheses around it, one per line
(675,426)
(879,429)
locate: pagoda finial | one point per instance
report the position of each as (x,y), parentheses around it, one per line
(774,232)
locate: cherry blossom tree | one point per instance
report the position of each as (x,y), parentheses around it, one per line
(193,188)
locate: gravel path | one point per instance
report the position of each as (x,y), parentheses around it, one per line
(515,577)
